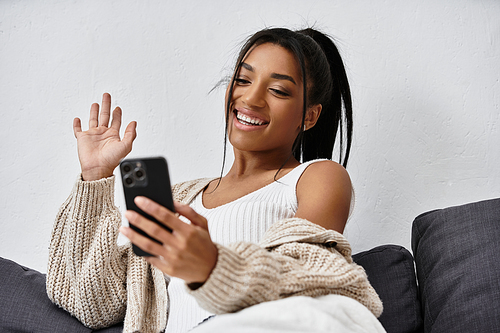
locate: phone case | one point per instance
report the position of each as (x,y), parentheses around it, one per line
(146,177)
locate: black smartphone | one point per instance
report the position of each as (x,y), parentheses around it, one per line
(146,177)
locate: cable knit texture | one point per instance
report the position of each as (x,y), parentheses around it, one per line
(102,283)
(295,258)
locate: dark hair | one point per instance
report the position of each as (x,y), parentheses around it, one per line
(325,82)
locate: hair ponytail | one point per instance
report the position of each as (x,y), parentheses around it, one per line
(335,98)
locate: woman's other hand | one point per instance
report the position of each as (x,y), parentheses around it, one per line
(100,148)
(187,253)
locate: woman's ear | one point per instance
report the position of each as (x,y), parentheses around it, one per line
(312,116)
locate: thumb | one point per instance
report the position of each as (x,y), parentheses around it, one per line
(77,126)
(191,215)
(130,133)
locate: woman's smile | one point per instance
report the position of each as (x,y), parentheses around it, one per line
(246,120)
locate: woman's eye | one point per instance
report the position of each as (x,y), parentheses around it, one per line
(280,92)
(241,81)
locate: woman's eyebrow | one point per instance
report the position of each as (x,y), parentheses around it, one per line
(283,77)
(273,75)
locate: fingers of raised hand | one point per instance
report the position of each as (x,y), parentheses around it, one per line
(101,119)
(105,110)
(130,133)
(77,126)
(117,119)
(94,115)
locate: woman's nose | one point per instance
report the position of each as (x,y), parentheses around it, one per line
(254,96)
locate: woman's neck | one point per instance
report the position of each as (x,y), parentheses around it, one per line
(248,173)
(247,164)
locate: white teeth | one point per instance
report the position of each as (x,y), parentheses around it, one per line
(248,120)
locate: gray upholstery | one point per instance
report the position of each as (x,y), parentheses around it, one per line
(391,272)
(458,267)
(25,307)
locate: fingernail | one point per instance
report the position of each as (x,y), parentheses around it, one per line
(139,200)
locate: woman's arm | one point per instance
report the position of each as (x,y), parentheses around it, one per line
(324,195)
(296,258)
(87,271)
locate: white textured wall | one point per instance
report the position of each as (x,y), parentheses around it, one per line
(424,76)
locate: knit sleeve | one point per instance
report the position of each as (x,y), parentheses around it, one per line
(87,271)
(248,274)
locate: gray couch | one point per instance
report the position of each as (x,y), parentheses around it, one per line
(452,284)
(457,283)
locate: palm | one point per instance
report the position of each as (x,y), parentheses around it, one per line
(100,148)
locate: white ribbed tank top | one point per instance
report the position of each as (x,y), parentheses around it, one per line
(244,219)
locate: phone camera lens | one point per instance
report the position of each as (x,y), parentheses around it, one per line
(139,174)
(129,181)
(127,168)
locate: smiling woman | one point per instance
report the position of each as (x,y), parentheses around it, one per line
(265,94)
(269,229)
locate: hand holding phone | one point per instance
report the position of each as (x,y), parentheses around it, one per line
(189,253)
(146,177)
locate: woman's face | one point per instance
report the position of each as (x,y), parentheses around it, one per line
(267,101)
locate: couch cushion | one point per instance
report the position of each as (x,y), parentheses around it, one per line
(24,305)
(391,272)
(458,267)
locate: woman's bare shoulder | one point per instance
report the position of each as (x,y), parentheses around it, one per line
(324,194)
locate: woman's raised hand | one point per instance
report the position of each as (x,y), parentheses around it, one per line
(100,148)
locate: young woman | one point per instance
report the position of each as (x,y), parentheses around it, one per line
(268,229)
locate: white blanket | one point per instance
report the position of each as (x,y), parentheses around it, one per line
(331,313)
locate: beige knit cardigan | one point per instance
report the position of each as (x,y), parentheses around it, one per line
(101,283)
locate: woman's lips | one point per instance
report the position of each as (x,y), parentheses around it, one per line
(245,121)
(248,120)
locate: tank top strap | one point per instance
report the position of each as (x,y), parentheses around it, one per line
(293,176)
